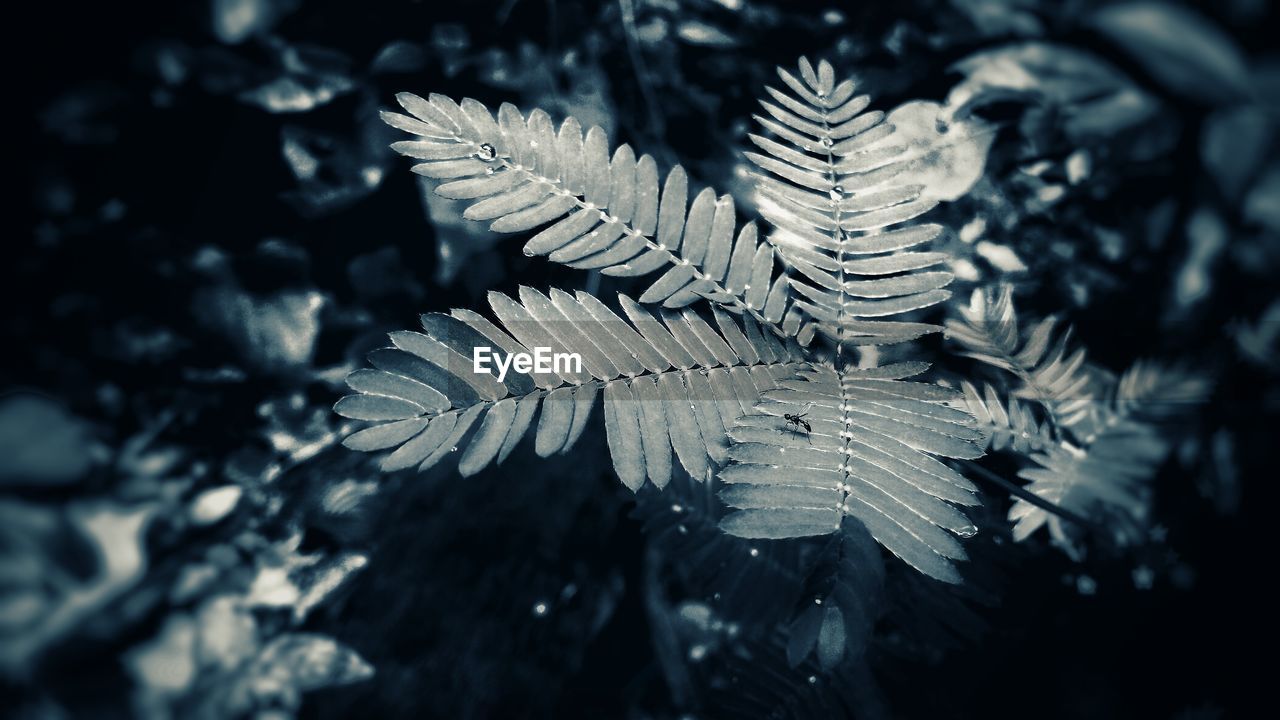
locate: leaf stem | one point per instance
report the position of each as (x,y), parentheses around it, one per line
(837,235)
(1024,494)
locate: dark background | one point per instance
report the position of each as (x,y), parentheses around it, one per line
(153,195)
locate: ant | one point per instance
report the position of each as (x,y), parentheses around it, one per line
(795,421)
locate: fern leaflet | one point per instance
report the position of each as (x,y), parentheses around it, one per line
(600,211)
(1051,373)
(1006,425)
(870,456)
(1123,449)
(669,385)
(826,187)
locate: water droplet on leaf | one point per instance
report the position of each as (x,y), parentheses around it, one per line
(486,152)
(836,193)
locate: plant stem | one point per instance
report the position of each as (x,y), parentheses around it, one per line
(1024,494)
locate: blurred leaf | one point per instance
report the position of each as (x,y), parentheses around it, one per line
(1233,146)
(32,559)
(997,18)
(333,170)
(1262,206)
(295,428)
(947,158)
(272,588)
(1002,257)
(831,639)
(227,632)
(450,39)
(695,32)
(320,580)
(235,21)
(274,333)
(308,78)
(305,661)
(214,666)
(214,504)
(1182,49)
(167,663)
(399,56)
(346,496)
(1078,165)
(140,456)
(1257,340)
(1093,98)
(41,443)
(116,534)
(1207,234)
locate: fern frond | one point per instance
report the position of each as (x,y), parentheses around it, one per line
(1152,392)
(600,210)
(1124,448)
(1110,473)
(827,188)
(1011,426)
(1052,374)
(669,385)
(870,456)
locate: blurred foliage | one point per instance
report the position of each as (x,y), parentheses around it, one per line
(215,240)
